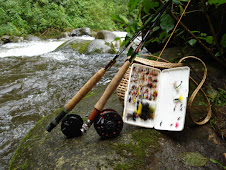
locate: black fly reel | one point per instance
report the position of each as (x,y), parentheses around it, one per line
(71,125)
(108,124)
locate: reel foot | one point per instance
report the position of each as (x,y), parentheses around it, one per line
(108,124)
(71,125)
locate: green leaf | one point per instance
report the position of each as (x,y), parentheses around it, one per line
(117,39)
(147,4)
(132,5)
(167,23)
(120,18)
(217,54)
(177,2)
(195,31)
(155,28)
(193,159)
(203,34)
(192,42)
(223,41)
(217,2)
(209,39)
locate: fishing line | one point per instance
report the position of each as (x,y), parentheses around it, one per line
(156,60)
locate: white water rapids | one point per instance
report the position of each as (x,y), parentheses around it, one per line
(35,81)
(35,48)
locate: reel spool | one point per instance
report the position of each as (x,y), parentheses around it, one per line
(71,125)
(108,124)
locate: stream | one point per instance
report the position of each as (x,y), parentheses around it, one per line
(35,81)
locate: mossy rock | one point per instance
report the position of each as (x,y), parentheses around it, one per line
(79,45)
(53,150)
(87,46)
(134,148)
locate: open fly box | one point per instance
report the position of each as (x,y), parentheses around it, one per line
(156,99)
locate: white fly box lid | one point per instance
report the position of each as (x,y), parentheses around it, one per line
(156,98)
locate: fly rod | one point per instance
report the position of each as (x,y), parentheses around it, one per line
(95,79)
(68,129)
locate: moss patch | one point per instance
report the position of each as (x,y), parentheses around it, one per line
(140,151)
(31,135)
(81,47)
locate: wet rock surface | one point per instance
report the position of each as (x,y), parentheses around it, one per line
(134,148)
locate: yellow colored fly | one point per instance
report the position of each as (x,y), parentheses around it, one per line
(138,111)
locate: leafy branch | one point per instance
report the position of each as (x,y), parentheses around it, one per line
(212,42)
(198,39)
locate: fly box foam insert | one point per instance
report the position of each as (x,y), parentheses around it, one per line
(157,99)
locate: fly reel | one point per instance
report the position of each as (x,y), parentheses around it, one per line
(71,125)
(108,124)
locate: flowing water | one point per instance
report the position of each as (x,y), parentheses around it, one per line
(35,81)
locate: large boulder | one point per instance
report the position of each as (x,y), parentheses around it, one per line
(81,31)
(108,36)
(79,45)
(87,46)
(99,46)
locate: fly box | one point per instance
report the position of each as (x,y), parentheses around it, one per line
(156,99)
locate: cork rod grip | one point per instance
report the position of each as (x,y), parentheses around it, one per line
(85,89)
(112,86)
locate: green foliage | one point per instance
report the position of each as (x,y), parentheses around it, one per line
(192,42)
(147,5)
(167,23)
(216,2)
(145,9)
(19,17)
